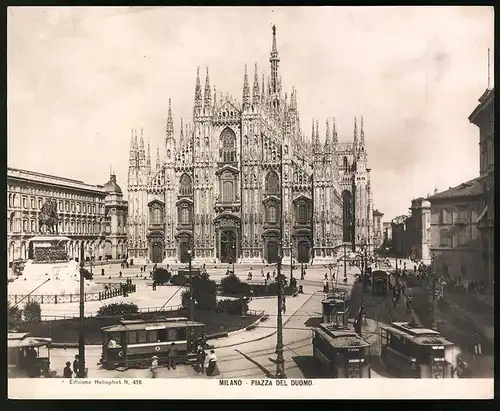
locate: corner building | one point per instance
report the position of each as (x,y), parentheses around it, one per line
(229,177)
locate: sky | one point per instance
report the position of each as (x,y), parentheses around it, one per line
(79,78)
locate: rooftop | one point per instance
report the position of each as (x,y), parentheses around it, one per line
(484,101)
(377,213)
(468,189)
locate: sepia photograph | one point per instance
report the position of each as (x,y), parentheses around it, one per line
(250,197)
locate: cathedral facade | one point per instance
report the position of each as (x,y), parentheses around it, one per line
(242,182)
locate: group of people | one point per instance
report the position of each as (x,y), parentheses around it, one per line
(68,371)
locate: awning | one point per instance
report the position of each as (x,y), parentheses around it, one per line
(481,216)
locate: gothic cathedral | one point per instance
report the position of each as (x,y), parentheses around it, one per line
(244,177)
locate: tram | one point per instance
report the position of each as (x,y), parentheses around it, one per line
(337,308)
(132,343)
(380,282)
(24,360)
(416,352)
(342,351)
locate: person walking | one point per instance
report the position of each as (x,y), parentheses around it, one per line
(154,367)
(172,356)
(200,359)
(408,305)
(212,368)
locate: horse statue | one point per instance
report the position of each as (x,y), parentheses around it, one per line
(48,217)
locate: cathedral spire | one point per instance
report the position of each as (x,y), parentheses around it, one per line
(355,132)
(318,147)
(362,132)
(334,133)
(148,158)
(263,92)
(246,89)
(328,142)
(170,122)
(158,164)
(215,97)
(133,150)
(197,92)
(207,103)
(181,138)
(256,88)
(274,60)
(142,152)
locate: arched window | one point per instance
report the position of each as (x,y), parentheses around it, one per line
(184,215)
(228,150)
(272,214)
(227,192)
(272,183)
(156,217)
(11,222)
(302,213)
(186,187)
(345,163)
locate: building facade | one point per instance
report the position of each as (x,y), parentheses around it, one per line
(400,244)
(387,226)
(419,230)
(483,118)
(229,178)
(378,233)
(455,243)
(92,216)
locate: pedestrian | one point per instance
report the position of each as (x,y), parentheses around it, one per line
(67,373)
(326,276)
(154,285)
(394,301)
(200,359)
(154,367)
(120,276)
(76,365)
(212,368)
(408,305)
(262,272)
(172,356)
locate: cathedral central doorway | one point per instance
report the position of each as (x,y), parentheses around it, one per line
(156,253)
(228,246)
(303,252)
(184,255)
(272,252)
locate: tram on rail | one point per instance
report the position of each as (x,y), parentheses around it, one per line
(337,308)
(343,353)
(380,282)
(132,343)
(416,352)
(24,359)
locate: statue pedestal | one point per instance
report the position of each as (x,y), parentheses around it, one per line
(49,260)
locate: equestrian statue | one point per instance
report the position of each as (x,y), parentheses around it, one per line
(48,217)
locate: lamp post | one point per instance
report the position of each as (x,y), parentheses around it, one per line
(81,339)
(280,361)
(291,259)
(233,257)
(330,268)
(434,299)
(191,307)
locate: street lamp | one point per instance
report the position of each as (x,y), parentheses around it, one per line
(434,299)
(191,307)
(81,339)
(233,257)
(280,361)
(291,260)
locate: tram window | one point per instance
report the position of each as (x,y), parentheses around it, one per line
(181,334)
(132,337)
(162,335)
(171,334)
(152,336)
(141,337)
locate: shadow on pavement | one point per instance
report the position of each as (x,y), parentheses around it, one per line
(309,366)
(262,368)
(313,322)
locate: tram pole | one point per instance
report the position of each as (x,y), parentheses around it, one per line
(81,339)
(191,306)
(434,299)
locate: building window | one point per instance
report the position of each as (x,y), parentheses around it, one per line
(228,150)
(84,208)
(66,206)
(78,207)
(184,215)
(272,214)
(156,215)
(90,228)
(227,192)
(186,186)
(302,213)
(443,237)
(25,202)
(78,227)
(345,163)
(11,223)
(272,183)
(32,203)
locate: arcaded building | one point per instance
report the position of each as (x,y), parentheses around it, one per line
(240,167)
(92,216)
